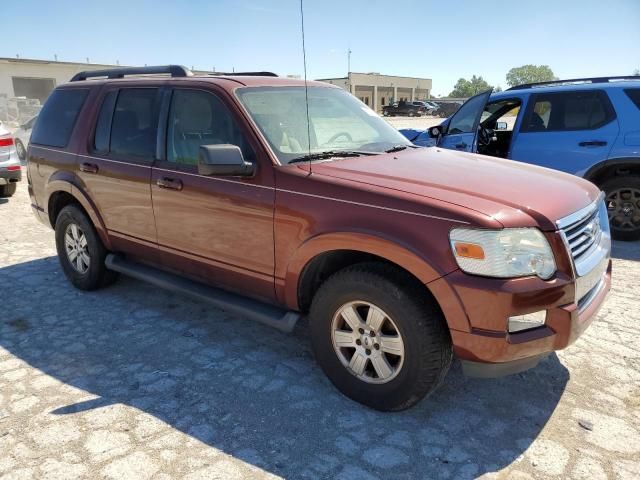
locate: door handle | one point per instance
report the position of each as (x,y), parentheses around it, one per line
(593,143)
(88,167)
(461,145)
(170,183)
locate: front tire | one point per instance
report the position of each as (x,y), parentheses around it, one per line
(623,206)
(80,250)
(7,190)
(378,336)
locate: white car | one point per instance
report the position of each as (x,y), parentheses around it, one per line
(10,170)
(22,136)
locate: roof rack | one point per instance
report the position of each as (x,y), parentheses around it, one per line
(244,74)
(174,70)
(575,80)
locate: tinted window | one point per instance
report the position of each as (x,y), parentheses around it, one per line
(634,95)
(58,117)
(464,120)
(200,118)
(103,125)
(586,110)
(135,123)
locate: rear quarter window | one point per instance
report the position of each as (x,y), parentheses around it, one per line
(58,117)
(634,95)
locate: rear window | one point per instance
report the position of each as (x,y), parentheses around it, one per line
(58,117)
(634,95)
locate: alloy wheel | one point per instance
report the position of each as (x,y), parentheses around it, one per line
(367,342)
(75,243)
(623,206)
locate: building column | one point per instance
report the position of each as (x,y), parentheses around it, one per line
(413,94)
(374,101)
(395,94)
(352,89)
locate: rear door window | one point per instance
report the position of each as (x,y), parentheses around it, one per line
(58,117)
(634,95)
(134,125)
(568,111)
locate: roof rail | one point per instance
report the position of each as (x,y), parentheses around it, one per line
(244,74)
(575,80)
(174,70)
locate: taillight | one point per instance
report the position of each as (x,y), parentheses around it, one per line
(13,168)
(6,142)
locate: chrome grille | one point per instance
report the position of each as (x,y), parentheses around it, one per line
(583,234)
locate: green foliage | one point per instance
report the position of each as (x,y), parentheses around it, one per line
(530,74)
(469,88)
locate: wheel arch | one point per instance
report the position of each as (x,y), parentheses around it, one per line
(61,192)
(613,167)
(321,256)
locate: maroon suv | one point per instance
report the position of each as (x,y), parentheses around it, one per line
(273,199)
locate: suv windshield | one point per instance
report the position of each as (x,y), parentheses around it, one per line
(337,122)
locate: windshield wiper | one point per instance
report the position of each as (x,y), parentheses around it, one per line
(399,148)
(331,154)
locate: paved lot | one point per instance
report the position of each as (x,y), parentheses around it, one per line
(131,382)
(421,123)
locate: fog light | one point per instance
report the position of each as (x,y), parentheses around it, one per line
(525,322)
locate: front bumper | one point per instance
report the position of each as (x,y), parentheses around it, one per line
(477,311)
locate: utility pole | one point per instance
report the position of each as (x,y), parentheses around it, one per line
(349,69)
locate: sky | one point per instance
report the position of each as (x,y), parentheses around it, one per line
(419,38)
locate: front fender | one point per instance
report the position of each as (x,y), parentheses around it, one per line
(361,242)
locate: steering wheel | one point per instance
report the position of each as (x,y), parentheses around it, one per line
(346,135)
(485,135)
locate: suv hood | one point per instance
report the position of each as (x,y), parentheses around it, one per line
(502,189)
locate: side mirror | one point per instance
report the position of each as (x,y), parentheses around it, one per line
(435,132)
(501,126)
(223,159)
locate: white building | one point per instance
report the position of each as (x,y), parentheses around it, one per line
(379,90)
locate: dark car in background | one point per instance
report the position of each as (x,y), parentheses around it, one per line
(446,109)
(409,109)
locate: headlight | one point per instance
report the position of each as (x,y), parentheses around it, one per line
(508,253)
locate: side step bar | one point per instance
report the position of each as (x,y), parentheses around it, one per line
(270,315)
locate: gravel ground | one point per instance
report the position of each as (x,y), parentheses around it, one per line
(132,382)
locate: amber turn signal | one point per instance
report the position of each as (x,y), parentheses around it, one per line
(469,250)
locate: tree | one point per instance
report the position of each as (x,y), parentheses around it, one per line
(468,88)
(636,72)
(530,74)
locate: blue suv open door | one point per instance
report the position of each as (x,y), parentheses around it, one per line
(462,128)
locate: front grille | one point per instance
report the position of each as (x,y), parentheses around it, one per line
(583,234)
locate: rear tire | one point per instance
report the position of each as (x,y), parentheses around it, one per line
(80,250)
(22,152)
(421,357)
(8,190)
(623,205)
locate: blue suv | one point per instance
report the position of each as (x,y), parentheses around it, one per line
(588,127)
